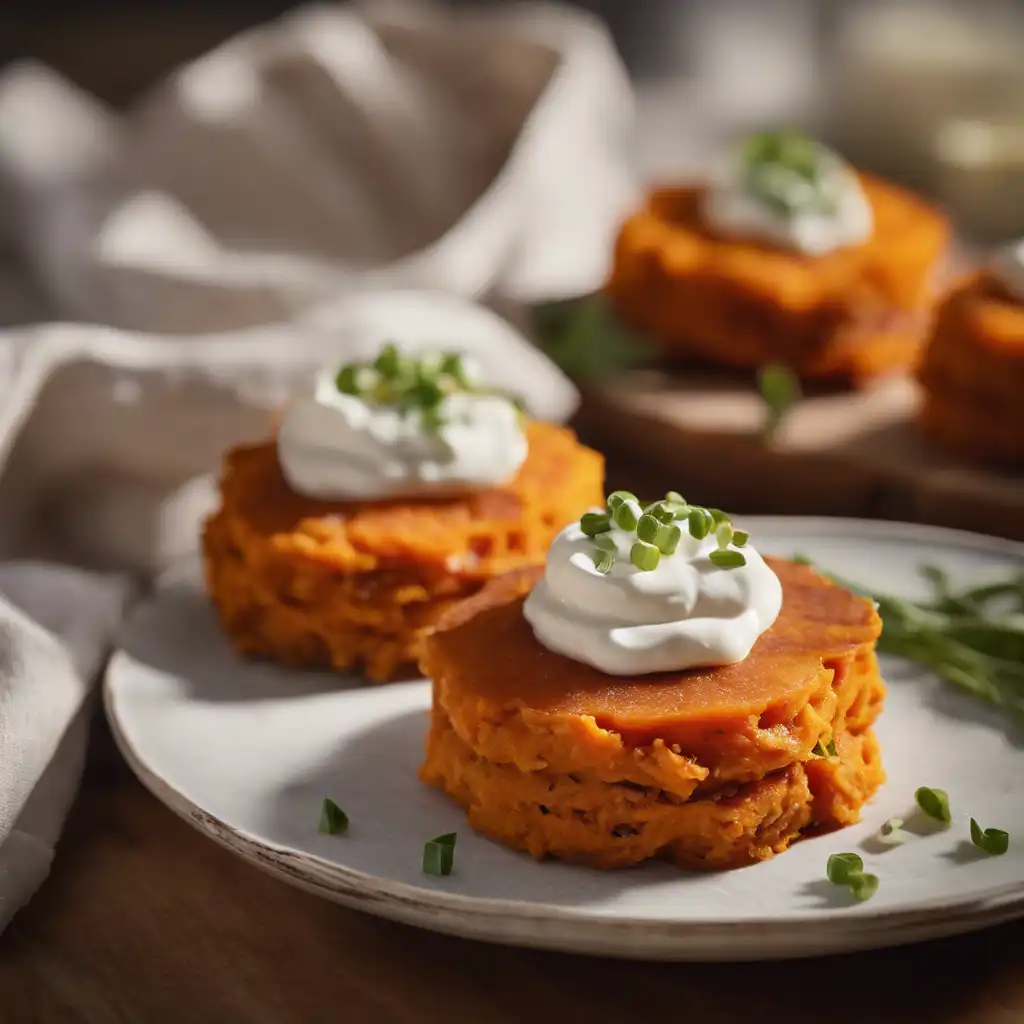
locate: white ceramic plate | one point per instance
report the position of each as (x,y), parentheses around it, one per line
(247,752)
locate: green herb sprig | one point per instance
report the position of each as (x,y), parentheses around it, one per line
(439,855)
(790,173)
(972,639)
(658,526)
(848,869)
(413,384)
(333,820)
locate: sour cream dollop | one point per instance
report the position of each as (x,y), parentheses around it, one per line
(337,446)
(732,207)
(685,613)
(1008,266)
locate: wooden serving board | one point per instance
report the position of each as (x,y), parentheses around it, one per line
(843,454)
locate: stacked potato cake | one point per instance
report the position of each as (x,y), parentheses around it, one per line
(358,583)
(708,768)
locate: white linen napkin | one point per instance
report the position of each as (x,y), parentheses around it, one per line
(284,201)
(55,626)
(340,148)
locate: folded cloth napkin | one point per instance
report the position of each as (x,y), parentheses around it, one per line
(340,148)
(285,201)
(56,623)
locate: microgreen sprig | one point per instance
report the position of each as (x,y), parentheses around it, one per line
(848,869)
(658,527)
(413,384)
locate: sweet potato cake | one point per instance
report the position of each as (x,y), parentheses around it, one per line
(972,373)
(731,300)
(349,584)
(708,767)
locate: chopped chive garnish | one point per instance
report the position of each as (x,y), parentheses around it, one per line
(891,833)
(727,559)
(616,498)
(415,385)
(605,542)
(740,538)
(934,803)
(627,514)
(644,556)
(663,511)
(647,528)
(700,523)
(993,841)
(439,855)
(333,820)
(668,538)
(593,523)
(603,561)
(841,867)
(825,749)
(723,535)
(718,515)
(863,886)
(675,498)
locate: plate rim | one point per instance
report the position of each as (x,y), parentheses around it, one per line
(553,927)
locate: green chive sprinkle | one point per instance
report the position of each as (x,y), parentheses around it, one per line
(616,498)
(700,523)
(723,535)
(825,749)
(333,820)
(647,528)
(934,803)
(993,841)
(863,886)
(603,561)
(780,391)
(347,381)
(718,515)
(740,538)
(668,538)
(663,511)
(388,363)
(891,833)
(675,498)
(627,514)
(727,559)
(606,542)
(593,523)
(439,855)
(842,867)
(644,556)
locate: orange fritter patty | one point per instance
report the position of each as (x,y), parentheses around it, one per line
(613,825)
(359,584)
(852,314)
(973,373)
(512,701)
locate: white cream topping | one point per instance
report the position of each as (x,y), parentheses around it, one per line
(683,614)
(731,208)
(1008,266)
(337,446)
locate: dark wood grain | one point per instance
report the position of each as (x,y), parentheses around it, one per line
(145,920)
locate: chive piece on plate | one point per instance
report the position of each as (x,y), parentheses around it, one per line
(841,867)
(644,556)
(439,855)
(934,803)
(993,841)
(863,886)
(333,820)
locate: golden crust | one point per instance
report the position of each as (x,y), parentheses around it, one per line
(709,768)
(515,701)
(615,825)
(851,314)
(973,374)
(349,584)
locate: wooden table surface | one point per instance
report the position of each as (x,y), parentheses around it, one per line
(145,920)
